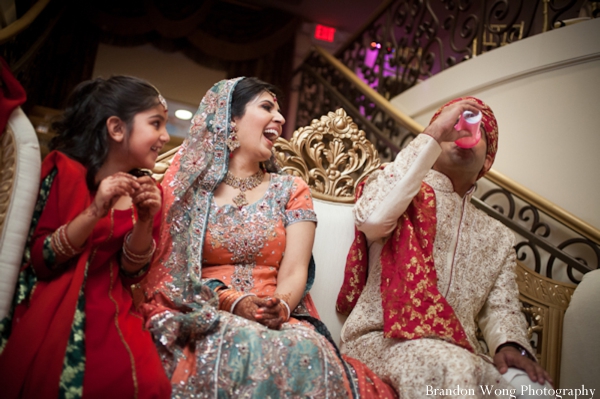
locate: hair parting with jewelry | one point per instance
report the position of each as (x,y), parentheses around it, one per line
(247,90)
(82,133)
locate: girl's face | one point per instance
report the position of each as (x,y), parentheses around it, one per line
(260,126)
(147,137)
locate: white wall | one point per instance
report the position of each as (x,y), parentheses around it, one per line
(545,92)
(176,76)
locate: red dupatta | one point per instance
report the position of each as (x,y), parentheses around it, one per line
(412,305)
(40,335)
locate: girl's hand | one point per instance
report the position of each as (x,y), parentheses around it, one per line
(110,190)
(146,198)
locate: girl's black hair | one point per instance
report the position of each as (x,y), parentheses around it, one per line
(82,131)
(246,90)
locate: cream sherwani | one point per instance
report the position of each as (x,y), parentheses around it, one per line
(475,262)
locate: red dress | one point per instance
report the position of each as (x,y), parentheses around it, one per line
(74,330)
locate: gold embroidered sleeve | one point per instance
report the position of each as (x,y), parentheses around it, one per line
(388,191)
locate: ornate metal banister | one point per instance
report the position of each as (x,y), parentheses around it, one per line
(328,84)
(406,41)
(558,213)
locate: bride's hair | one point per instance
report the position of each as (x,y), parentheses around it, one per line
(246,90)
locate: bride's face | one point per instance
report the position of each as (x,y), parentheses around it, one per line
(259,127)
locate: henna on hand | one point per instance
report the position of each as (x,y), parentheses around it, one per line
(110,190)
(270,314)
(147,199)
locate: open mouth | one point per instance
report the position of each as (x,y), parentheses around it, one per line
(271,134)
(156,149)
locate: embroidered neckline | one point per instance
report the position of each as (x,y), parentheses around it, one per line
(440,182)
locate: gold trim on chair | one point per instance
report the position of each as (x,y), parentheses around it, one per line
(162,164)
(332,155)
(8,162)
(545,302)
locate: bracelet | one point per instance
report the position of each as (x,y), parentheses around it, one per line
(61,245)
(133,275)
(518,347)
(238,300)
(287,307)
(227,297)
(134,258)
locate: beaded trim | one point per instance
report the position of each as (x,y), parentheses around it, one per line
(162,100)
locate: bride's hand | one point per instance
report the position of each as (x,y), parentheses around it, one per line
(262,310)
(270,314)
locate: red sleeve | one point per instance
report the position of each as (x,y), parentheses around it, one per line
(67,197)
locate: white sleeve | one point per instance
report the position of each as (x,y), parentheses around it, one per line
(389,191)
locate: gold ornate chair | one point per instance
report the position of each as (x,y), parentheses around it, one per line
(19,185)
(332,155)
(544,304)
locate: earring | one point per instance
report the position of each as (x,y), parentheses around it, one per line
(232,141)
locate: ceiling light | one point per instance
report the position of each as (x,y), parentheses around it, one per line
(183,114)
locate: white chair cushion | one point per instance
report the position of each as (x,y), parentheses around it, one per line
(580,363)
(334,235)
(22,201)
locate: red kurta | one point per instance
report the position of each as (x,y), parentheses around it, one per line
(120,359)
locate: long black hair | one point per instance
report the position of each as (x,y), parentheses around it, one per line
(246,90)
(82,131)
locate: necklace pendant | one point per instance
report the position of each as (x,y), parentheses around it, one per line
(240,200)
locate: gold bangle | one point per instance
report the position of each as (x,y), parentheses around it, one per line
(61,245)
(137,258)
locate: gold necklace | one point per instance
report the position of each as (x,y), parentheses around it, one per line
(243,184)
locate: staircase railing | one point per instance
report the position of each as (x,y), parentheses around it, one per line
(407,41)
(550,240)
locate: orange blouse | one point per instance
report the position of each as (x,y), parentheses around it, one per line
(244,247)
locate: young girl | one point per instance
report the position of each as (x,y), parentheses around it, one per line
(73,331)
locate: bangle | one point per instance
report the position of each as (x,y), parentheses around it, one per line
(287,307)
(518,347)
(137,274)
(137,259)
(61,245)
(238,300)
(227,297)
